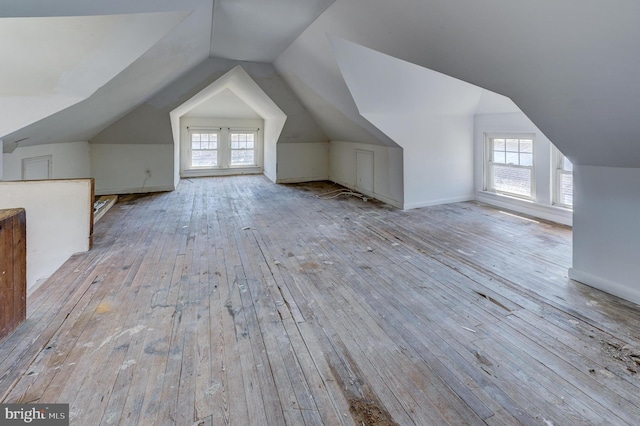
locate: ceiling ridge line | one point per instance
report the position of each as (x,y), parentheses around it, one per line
(213,12)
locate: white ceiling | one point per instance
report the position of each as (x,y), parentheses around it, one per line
(61,61)
(120,71)
(225,104)
(259,31)
(382,84)
(571,66)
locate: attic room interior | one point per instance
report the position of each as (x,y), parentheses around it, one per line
(331,212)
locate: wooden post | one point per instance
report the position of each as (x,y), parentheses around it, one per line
(13,270)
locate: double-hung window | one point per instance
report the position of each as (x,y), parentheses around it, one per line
(563,180)
(203,148)
(243,148)
(214,151)
(509,165)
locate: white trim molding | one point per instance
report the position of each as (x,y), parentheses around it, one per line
(617,289)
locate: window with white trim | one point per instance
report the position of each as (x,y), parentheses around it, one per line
(243,148)
(203,148)
(563,180)
(509,165)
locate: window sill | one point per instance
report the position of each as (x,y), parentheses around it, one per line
(550,212)
(220,172)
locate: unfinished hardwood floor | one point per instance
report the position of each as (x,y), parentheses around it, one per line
(237,301)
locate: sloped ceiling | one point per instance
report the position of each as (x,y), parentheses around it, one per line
(236,82)
(225,104)
(148,124)
(185,45)
(395,95)
(382,84)
(63,60)
(241,27)
(571,66)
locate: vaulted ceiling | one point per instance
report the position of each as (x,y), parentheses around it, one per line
(77,103)
(571,66)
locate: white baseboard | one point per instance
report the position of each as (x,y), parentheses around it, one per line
(394,203)
(269,176)
(617,289)
(133,190)
(438,202)
(220,172)
(303,179)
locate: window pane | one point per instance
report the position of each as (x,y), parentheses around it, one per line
(234,144)
(195,137)
(195,145)
(526,145)
(526,159)
(498,144)
(512,180)
(250,144)
(242,158)
(512,158)
(512,145)
(499,157)
(207,158)
(566,189)
(566,164)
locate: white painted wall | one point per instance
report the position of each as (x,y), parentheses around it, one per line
(428,114)
(437,157)
(387,169)
(542,206)
(122,169)
(606,237)
(69,160)
(303,162)
(58,221)
(270,165)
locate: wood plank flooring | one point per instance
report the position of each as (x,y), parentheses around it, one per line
(236,301)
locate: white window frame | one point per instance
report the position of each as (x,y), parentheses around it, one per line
(200,130)
(255,150)
(224,167)
(558,170)
(489,164)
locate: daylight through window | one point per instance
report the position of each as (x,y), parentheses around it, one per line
(563,181)
(204,149)
(510,165)
(243,149)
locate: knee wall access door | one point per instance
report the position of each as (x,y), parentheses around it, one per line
(364,171)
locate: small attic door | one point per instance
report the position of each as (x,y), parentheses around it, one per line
(364,171)
(36,168)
